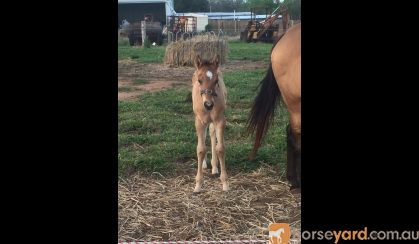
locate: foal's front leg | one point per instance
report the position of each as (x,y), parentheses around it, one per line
(201,152)
(220,149)
(214,157)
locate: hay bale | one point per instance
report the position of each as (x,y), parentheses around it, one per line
(183,52)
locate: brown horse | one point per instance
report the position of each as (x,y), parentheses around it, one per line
(209,96)
(283,78)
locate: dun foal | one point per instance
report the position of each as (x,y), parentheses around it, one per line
(209,96)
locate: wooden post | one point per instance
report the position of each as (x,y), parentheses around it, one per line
(235,26)
(143,33)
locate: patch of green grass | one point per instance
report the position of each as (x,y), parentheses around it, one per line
(242,88)
(249,51)
(238,51)
(123,42)
(157,132)
(140,82)
(154,54)
(124,89)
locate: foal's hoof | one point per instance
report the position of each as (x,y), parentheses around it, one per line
(195,193)
(226,187)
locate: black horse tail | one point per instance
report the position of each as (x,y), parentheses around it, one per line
(263,109)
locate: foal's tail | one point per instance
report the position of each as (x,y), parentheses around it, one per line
(263,109)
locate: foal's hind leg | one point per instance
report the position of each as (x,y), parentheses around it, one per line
(214,157)
(201,152)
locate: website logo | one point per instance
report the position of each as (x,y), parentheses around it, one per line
(279,233)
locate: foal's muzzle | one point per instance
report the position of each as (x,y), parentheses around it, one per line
(208,105)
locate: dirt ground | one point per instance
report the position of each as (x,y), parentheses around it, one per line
(160,76)
(155,208)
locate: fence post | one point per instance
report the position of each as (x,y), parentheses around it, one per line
(235,22)
(143,33)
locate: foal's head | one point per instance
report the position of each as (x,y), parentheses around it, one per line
(208,80)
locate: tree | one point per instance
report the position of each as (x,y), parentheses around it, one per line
(183,6)
(261,6)
(293,8)
(227,5)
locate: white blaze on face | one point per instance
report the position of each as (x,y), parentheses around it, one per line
(209,74)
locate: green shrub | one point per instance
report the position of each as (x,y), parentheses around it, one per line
(123,42)
(208,27)
(147,42)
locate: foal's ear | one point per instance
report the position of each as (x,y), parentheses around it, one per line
(197,61)
(216,60)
